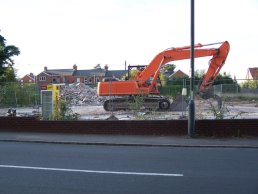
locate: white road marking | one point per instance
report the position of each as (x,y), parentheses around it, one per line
(92,171)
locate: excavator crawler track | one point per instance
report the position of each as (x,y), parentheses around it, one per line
(153,103)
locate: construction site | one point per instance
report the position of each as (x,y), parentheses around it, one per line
(84,101)
(137,96)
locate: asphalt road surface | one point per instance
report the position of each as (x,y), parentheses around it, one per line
(34,168)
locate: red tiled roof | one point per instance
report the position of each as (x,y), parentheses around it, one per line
(178,74)
(254,72)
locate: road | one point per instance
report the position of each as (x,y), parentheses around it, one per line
(29,168)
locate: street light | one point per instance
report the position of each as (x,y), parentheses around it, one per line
(191,117)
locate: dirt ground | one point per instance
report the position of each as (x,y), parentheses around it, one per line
(203,110)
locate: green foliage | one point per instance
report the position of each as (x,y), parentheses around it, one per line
(221,78)
(218,113)
(222,112)
(171,90)
(136,103)
(14,94)
(198,74)
(63,111)
(133,74)
(224,79)
(168,68)
(253,84)
(175,86)
(9,75)
(162,79)
(6,54)
(179,80)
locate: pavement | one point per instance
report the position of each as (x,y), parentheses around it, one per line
(129,140)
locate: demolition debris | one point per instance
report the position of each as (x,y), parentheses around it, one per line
(81,94)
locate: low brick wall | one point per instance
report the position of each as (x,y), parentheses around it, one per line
(226,127)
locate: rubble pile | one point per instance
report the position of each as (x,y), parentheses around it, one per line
(81,94)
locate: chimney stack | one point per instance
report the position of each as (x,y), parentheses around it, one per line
(45,68)
(75,67)
(106,67)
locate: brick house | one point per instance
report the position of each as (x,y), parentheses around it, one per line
(89,76)
(252,73)
(29,78)
(93,76)
(178,74)
(55,76)
(67,76)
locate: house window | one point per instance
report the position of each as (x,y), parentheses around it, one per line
(42,78)
(78,80)
(90,80)
(85,80)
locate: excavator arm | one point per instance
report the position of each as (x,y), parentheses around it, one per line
(215,65)
(219,56)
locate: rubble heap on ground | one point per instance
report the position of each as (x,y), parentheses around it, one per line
(81,94)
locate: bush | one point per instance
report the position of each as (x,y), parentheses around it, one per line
(63,111)
(250,84)
(170,90)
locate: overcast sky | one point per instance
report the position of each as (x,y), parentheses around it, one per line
(61,33)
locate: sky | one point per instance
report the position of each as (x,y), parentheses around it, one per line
(61,33)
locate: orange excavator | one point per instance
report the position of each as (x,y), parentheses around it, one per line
(145,82)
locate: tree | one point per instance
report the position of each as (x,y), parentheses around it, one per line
(8,75)
(198,74)
(6,61)
(224,79)
(221,78)
(168,68)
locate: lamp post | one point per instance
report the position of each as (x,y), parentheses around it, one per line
(191,118)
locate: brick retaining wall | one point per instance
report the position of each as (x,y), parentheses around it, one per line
(226,127)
